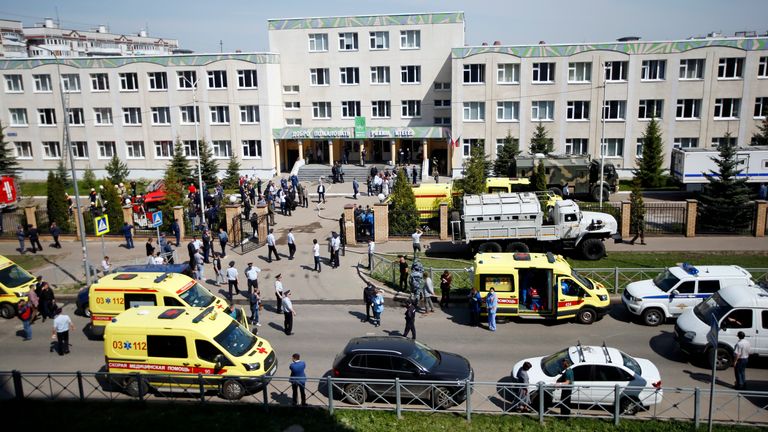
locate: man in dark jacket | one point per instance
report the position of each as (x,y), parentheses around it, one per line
(34,238)
(410,319)
(55,233)
(369,292)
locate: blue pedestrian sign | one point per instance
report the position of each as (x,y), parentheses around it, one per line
(157,219)
(102,225)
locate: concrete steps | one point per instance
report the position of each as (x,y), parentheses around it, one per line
(313,172)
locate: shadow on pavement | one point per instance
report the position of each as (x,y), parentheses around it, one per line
(664,345)
(447,249)
(620,313)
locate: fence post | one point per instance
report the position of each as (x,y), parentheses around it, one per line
(29,212)
(350,237)
(381,222)
(178,214)
(392,266)
(542,396)
(626,212)
(17,387)
(202,387)
(265,393)
(696,408)
(616,405)
(329,379)
(140,383)
(80,386)
(760,215)
(468,400)
(615,280)
(231,213)
(690,217)
(398,405)
(443,221)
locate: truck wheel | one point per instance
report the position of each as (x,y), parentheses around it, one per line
(232,390)
(586,316)
(517,247)
(593,249)
(724,358)
(7,310)
(491,247)
(557,191)
(132,384)
(653,317)
(596,193)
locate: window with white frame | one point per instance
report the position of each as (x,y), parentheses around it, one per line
(186,79)
(247,79)
(163,149)
(381,109)
(158,80)
(410,39)
(542,110)
(410,74)
(442,86)
(379,74)
(543,72)
(614,110)
(79,149)
(102,116)
(251,149)
(161,115)
(579,72)
(319,77)
(410,109)
(249,114)
(75,117)
(190,148)
(51,150)
(577,110)
(467,144)
(70,83)
(42,83)
(639,148)
(507,111)
(220,114)
(23,149)
(727,108)
(442,103)
(348,41)
(99,82)
(349,76)
(19,116)
(688,109)
(292,106)
(350,109)
(691,69)
(761,107)
(379,40)
(318,42)
(685,142)
(613,147)
(650,108)
(217,79)
(718,141)
(730,68)
(293,121)
(762,67)
(653,70)
(508,73)
(616,70)
(222,149)
(106,149)
(134,149)
(13,84)
(290,89)
(474,73)
(576,146)
(131,116)
(442,121)
(321,110)
(190,114)
(129,81)
(474,111)
(46,117)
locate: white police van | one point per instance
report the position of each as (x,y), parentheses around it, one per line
(679,288)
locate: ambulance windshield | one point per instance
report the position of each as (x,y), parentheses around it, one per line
(236,339)
(197,296)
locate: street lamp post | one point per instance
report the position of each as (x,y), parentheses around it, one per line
(602,144)
(197,143)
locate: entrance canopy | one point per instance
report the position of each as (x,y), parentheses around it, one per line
(297,133)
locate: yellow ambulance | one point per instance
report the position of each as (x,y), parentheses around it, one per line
(155,348)
(14,286)
(121,291)
(538,286)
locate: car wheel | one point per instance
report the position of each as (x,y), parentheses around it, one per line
(628,406)
(724,358)
(355,393)
(441,398)
(593,249)
(586,316)
(7,310)
(87,311)
(518,247)
(489,247)
(596,193)
(232,390)
(131,386)
(653,317)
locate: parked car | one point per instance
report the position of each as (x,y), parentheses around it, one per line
(390,357)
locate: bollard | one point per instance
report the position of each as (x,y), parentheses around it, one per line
(540,386)
(201,387)
(80,386)
(468,401)
(330,394)
(398,405)
(696,408)
(616,405)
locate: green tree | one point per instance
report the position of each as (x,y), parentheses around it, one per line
(403,215)
(649,168)
(540,143)
(179,164)
(117,170)
(636,206)
(539,176)
(208,165)
(508,153)
(761,138)
(174,196)
(724,202)
(476,169)
(8,164)
(56,204)
(114,208)
(232,176)
(62,173)
(89,180)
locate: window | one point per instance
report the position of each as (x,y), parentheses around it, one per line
(70,83)
(99,82)
(379,40)
(189,114)
(42,83)
(321,110)
(381,109)
(508,73)
(158,81)
(217,79)
(688,108)
(410,109)
(251,149)
(350,109)
(13,84)
(576,146)
(691,69)
(614,110)
(129,81)
(186,79)
(106,149)
(507,111)
(102,116)
(247,78)
(738,319)
(726,108)
(761,107)
(18,116)
(379,74)
(718,141)
(190,148)
(79,149)
(410,74)
(222,149)
(474,73)
(349,76)
(23,149)
(51,150)
(167,346)
(161,115)
(442,86)
(249,114)
(542,110)
(580,72)
(650,108)
(75,116)
(616,70)
(131,116)
(205,350)
(442,103)
(543,72)
(467,144)
(319,77)
(730,68)
(46,116)
(347,41)
(220,114)
(290,89)
(442,121)
(292,106)
(639,148)
(653,70)
(685,143)
(474,111)
(410,39)
(762,68)
(709,286)
(613,147)
(318,42)
(293,121)
(611,374)
(163,149)
(577,110)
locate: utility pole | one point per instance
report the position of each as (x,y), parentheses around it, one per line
(221,46)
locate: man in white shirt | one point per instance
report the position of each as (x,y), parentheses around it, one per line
(106,265)
(62,324)
(279,292)
(159,260)
(288,312)
(316,254)
(252,276)
(371,250)
(232,278)
(271,246)
(335,247)
(291,244)
(740,357)
(416,241)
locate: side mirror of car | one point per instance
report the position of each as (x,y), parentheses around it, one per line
(219,359)
(674,293)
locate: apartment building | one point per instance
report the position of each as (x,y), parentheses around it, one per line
(12,42)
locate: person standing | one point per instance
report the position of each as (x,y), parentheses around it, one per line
(279,293)
(62,324)
(25,314)
(429,291)
(176,230)
(378,307)
(491,304)
(371,251)
(232,279)
(474,307)
(55,233)
(218,270)
(127,231)
(321,192)
(410,320)
(47,300)
(288,312)
(223,239)
(106,265)
(369,292)
(34,239)
(252,277)
(445,288)
(271,246)
(21,236)
(291,244)
(316,255)
(33,302)
(355,188)
(335,247)
(566,380)
(254,300)
(149,247)
(414,174)
(403,273)
(436,174)
(298,379)
(416,237)
(523,402)
(207,245)
(199,266)
(639,225)
(741,355)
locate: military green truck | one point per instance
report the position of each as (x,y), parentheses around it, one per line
(581,173)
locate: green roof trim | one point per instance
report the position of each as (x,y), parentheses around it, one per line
(365,21)
(115,62)
(348,133)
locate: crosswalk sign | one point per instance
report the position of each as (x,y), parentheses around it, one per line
(157,219)
(102,225)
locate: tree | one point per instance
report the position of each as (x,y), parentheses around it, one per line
(649,168)
(179,164)
(232,176)
(636,206)
(724,202)
(113,205)
(476,169)
(540,143)
(56,205)
(8,164)
(208,165)
(539,177)
(174,196)
(403,215)
(89,180)
(63,174)
(117,170)
(506,156)
(761,138)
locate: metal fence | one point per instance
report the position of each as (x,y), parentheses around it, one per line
(664,218)
(10,219)
(744,226)
(464,398)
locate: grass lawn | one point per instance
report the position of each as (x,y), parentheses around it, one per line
(28,262)
(40,188)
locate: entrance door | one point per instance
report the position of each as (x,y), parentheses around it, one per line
(409,152)
(291,156)
(381,151)
(320,153)
(442,161)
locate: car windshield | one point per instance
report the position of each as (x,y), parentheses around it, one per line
(632,364)
(425,356)
(665,280)
(713,306)
(552,365)
(236,339)
(14,276)
(584,281)
(197,296)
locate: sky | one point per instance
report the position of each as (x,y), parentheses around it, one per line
(242,24)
